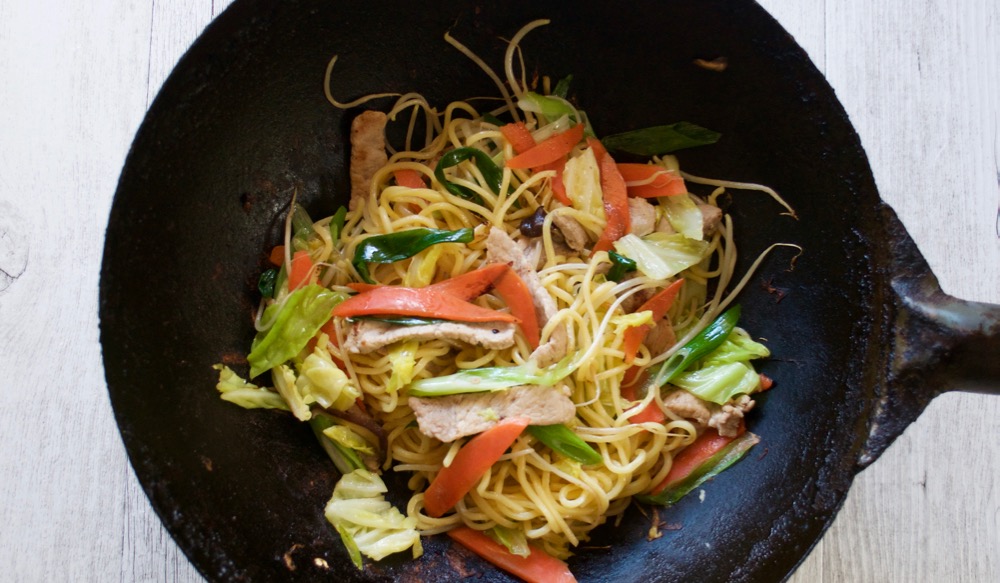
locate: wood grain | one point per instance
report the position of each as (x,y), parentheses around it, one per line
(920,80)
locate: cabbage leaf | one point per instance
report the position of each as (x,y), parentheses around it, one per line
(237,390)
(367,523)
(661,256)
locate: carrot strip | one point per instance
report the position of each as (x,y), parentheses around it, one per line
(558,186)
(420,302)
(470,463)
(615,198)
(277,257)
(519,137)
(651,412)
(473,284)
(302,266)
(658,304)
(692,456)
(537,567)
(766,382)
(630,381)
(514,292)
(652,181)
(549,150)
(409,178)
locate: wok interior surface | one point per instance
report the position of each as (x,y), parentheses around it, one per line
(243,121)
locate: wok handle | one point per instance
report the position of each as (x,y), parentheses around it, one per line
(937,343)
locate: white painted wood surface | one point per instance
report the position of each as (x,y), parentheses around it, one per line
(920,80)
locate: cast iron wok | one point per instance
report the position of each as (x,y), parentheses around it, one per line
(862,336)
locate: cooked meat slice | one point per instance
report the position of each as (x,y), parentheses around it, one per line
(711,216)
(727,419)
(454,416)
(500,248)
(664,226)
(366,336)
(534,252)
(660,337)
(683,404)
(642,216)
(635,301)
(367,153)
(572,231)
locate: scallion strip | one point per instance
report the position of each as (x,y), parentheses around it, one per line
(401,245)
(565,441)
(490,171)
(706,341)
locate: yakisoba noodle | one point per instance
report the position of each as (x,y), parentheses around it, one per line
(533,489)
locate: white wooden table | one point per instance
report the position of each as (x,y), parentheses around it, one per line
(919,78)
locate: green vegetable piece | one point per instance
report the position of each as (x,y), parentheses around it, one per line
(497,378)
(706,341)
(620,265)
(302,315)
(265,284)
(562,87)
(719,383)
(490,118)
(657,140)
(512,538)
(346,459)
(337,223)
(402,245)
(400,320)
(565,441)
(710,468)
(490,171)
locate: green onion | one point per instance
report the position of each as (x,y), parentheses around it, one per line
(400,320)
(657,140)
(705,342)
(708,469)
(265,284)
(402,245)
(337,223)
(346,459)
(620,265)
(562,87)
(565,441)
(490,171)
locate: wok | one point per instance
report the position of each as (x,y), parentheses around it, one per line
(863,337)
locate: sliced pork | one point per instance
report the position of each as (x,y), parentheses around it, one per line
(500,248)
(367,153)
(449,418)
(572,231)
(642,216)
(364,336)
(726,418)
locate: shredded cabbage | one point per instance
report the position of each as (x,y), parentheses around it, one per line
(719,383)
(661,256)
(367,523)
(284,382)
(497,378)
(403,358)
(298,320)
(237,390)
(725,372)
(321,381)
(684,216)
(582,178)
